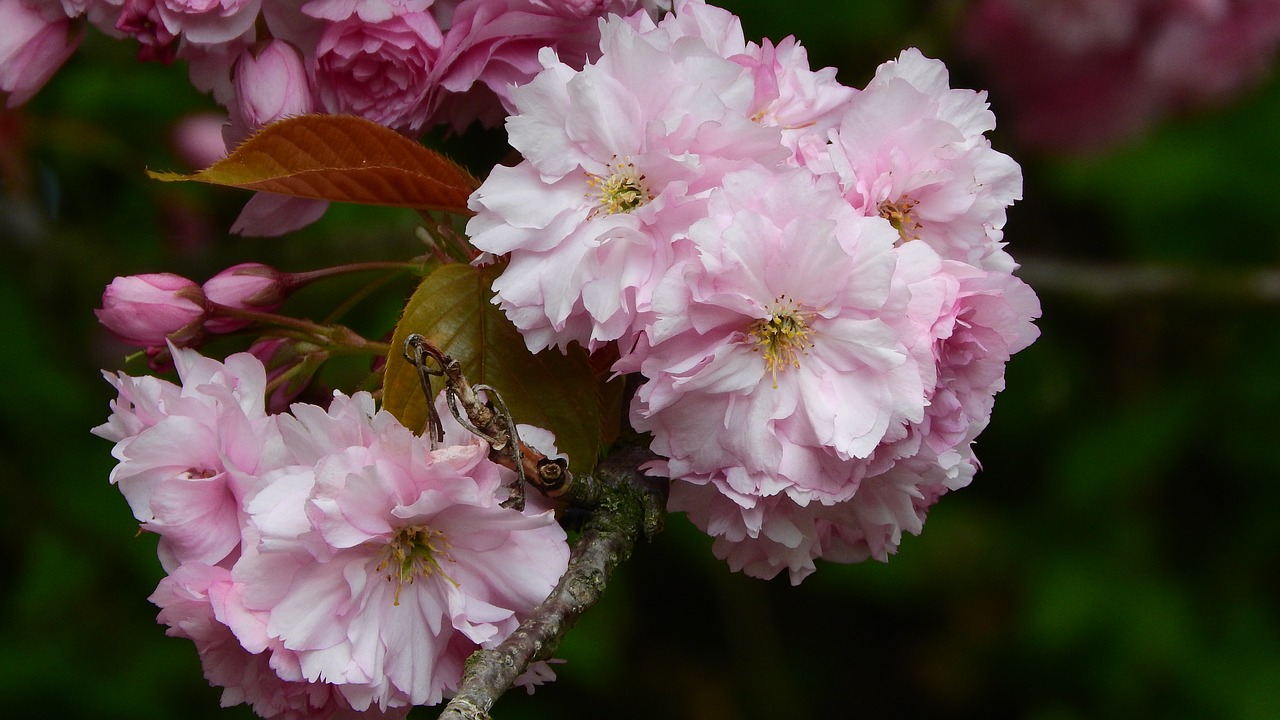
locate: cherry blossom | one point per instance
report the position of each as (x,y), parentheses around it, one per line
(415,539)
(188,454)
(913,151)
(618,159)
(32,48)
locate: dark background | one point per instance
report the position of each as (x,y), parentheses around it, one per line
(1118,556)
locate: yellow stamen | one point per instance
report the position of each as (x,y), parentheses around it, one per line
(624,189)
(414,552)
(899,216)
(783,336)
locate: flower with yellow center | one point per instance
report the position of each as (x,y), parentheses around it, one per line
(414,552)
(624,189)
(783,336)
(898,213)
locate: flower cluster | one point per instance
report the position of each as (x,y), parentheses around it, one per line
(810,277)
(1083,75)
(407,64)
(326,563)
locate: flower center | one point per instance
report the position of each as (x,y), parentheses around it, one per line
(414,552)
(783,336)
(624,189)
(899,216)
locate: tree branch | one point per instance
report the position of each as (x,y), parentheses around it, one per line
(625,505)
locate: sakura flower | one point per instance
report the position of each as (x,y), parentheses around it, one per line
(201,603)
(805,104)
(618,159)
(370,11)
(896,501)
(141,20)
(911,150)
(762,536)
(380,71)
(492,45)
(989,322)
(32,48)
(188,455)
(777,361)
(208,22)
(382,564)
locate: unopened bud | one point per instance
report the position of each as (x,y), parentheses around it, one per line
(247,286)
(147,310)
(271,84)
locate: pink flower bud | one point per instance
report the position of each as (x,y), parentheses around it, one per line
(149,309)
(271,84)
(247,286)
(32,48)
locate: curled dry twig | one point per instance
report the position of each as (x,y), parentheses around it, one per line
(623,504)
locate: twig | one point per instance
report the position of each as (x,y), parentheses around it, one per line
(1110,282)
(626,505)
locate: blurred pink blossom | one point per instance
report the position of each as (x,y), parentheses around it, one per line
(269,215)
(1079,76)
(32,48)
(198,139)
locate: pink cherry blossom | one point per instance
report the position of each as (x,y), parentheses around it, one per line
(777,362)
(271,215)
(805,104)
(618,159)
(762,536)
(188,455)
(492,45)
(32,48)
(380,71)
(198,139)
(370,11)
(989,322)
(381,564)
(208,22)
(201,603)
(912,150)
(153,308)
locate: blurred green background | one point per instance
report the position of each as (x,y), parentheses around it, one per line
(1118,556)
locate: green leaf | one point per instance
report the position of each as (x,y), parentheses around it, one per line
(341,158)
(452,309)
